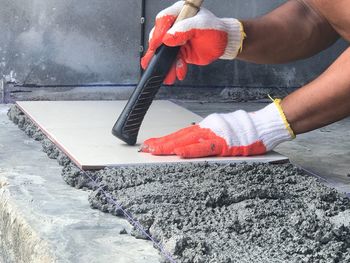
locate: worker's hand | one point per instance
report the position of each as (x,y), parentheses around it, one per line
(234,134)
(204,39)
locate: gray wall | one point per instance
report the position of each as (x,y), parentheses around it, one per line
(85,41)
(70,41)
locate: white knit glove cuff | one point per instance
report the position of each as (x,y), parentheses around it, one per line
(272,125)
(241,128)
(236,36)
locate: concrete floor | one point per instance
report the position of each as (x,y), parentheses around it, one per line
(44,220)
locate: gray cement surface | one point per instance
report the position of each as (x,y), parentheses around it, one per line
(222,213)
(42,219)
(233,213)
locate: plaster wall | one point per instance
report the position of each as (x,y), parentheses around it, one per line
(66,42)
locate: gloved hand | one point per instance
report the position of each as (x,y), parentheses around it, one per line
(233,134)
(204,39)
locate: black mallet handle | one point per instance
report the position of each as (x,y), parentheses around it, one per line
(129,122)
(128,125)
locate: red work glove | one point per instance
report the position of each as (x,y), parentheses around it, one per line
(204,39)
(234,134)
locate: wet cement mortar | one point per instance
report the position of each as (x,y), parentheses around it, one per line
(219,212)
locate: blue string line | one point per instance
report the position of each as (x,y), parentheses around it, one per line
(132,221)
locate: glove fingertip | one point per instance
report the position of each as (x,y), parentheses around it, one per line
(173,40)
(179,34)
(171,77)
(162,149)
(144,148)
(144,64)
(187,152)
(146,58)
(148,145)
(181,69)
(169,81)
(181,152)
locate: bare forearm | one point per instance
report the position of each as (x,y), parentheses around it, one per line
(292,31)
(323,101)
